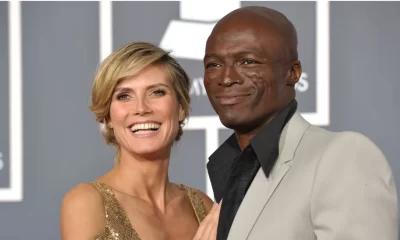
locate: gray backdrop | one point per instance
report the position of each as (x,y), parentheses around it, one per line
(62,145)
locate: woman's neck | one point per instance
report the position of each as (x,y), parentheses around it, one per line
(146,179)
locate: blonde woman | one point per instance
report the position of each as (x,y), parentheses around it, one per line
(141,94)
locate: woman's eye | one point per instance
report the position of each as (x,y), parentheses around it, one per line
(159,92)
(122,96)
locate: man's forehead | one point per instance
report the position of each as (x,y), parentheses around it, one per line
(257,12)
(246,23)
(240,34)
(256,15)
(263,27)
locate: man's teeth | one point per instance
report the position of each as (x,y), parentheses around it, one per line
(145,126)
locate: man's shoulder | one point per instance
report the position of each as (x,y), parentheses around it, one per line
(344,153)
(343,143)
(338,137)
(324,140)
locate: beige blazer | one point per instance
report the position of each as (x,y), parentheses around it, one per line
(325,186)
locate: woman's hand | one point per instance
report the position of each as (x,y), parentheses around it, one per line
(208,227)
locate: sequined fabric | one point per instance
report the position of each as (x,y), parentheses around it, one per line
(118,226)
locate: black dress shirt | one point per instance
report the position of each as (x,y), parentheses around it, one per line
(231,170)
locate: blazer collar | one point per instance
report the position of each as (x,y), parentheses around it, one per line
(291,137)
(262,188)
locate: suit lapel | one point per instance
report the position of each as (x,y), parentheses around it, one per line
(257,196)
(262,188)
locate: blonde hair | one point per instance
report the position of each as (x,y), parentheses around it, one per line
(127,61)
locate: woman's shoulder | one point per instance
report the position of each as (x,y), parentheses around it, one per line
(208,202)
(82,212)
(82,194)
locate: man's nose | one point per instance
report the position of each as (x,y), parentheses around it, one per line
(230,77)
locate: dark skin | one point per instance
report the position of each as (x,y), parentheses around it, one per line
(251,68)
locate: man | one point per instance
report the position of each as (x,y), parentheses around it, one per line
(279,176)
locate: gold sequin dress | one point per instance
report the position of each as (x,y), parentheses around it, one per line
(118,226)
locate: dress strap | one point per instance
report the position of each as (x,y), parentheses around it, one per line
(117,222)
(196,200)
(105,192)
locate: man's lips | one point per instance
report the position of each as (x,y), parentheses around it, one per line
(231,98)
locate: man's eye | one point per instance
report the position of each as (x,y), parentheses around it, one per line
(249,61)
(213,64)
(122,96)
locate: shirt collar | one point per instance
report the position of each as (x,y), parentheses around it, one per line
(264,144)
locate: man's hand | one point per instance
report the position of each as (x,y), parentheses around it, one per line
(208,227)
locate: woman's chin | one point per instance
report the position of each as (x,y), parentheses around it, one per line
(150,152)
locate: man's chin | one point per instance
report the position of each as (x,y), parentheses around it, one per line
(231,121)
(240,123)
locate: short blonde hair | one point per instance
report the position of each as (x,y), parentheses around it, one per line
(127,61)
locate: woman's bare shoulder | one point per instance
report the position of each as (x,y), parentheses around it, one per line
(83,195)
(82,213)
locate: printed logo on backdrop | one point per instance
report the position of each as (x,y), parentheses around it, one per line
(198,19)
(11,188)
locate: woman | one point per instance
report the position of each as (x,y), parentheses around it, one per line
(141,95)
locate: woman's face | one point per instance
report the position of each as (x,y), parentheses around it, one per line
(144,113)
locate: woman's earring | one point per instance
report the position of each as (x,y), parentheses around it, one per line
(181,115)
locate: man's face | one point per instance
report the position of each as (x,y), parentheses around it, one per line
(246,72)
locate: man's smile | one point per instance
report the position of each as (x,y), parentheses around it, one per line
(231,98)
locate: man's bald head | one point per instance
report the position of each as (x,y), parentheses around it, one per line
(270,18)
(251,67)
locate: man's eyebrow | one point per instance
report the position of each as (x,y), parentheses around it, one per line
(210,55)
(246,52)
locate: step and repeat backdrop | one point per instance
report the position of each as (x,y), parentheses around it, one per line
(49,52)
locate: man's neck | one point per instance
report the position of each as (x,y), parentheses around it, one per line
(244,138)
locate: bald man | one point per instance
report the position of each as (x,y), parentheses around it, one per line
(280,177)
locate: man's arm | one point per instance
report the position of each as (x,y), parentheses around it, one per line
(354,195)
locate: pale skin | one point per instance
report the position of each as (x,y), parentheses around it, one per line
(156,208)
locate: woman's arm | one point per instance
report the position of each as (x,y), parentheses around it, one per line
(82,213)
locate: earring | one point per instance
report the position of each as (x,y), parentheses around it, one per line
(109,125)
(181,115)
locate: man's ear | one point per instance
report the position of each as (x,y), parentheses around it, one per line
(294,73)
